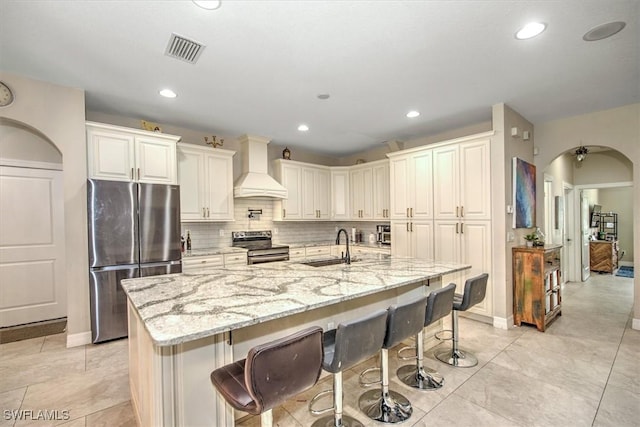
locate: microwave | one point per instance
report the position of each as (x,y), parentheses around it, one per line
(383,233)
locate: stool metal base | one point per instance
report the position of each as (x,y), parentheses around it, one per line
(423,378)
(330,421)
(458,358)
(389,408)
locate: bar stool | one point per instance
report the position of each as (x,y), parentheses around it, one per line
(272,373)
(385,405)
(474,291)
(439,304)
(344,347)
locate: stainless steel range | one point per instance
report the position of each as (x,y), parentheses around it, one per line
(259,246)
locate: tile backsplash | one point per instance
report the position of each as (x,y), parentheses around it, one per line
(208,235)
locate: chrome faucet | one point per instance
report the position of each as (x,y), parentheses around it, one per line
(347,257)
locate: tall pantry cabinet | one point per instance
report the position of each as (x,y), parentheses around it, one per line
(441,207)
(462,210)
(411,203)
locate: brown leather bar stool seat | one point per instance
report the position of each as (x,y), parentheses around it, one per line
(439,304)
(475,289)
(344,347)
(386,405)
(272,373)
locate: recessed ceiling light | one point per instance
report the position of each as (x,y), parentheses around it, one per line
(323,96)
(208,4)
(168,93)
(412,114)
(530,30)
(303,128)
(603,31)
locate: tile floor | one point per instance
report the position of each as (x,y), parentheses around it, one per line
(584,371)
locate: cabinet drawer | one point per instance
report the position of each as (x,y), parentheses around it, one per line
(235,259)
(296,253)
(552,260)
(190,264)
(318,250)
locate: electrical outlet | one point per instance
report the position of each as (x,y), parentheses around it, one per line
(221,232)
(331,326)
(510,236)
(275,230)
(336,229)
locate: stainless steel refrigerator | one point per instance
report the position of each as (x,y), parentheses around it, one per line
(134,231)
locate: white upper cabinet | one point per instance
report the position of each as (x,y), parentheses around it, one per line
(309,188)
(340,194)
(369,188)
(316,191)
(381,190)
(205,176)
(411,182)
(122,154)
(462,174)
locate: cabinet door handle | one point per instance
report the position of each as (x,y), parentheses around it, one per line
(457,232)
(208,213)
(284,213)
(138,174)
(462,211)
(462,228)
(411,212)
(132,176)
(412,227)
(407,227)
(203,213)
(457,211)
(407,212)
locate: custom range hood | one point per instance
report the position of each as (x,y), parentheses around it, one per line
(255,180)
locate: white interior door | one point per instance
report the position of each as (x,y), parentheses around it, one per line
(32,279)
(567,224)
(584,235)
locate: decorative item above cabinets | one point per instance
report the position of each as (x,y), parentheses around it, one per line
(118,153)
(205,177)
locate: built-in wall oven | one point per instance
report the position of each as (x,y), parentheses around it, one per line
(259,246)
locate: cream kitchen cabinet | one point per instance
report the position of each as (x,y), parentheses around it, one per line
(317,251)
(411,181)
(297,253)
(340,194)
(122,154)
(309,188)
(316,192)
(289,174)
(380,174)
(190,264)
(205,176)
(467,243)
(413,239)
(361,182)
(369,188)
(462,180)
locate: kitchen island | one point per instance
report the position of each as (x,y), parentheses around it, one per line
(183,326)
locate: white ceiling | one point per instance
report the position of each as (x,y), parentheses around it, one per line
(265,62)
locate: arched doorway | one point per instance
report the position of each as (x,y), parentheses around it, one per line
(604,176)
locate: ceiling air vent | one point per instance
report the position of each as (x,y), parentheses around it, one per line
(184,49)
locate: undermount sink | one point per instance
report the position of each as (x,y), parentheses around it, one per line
(325,262)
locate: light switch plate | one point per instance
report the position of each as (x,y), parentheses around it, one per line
(221,232)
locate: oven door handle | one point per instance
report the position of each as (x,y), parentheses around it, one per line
(267,258)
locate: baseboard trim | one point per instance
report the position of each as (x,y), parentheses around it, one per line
(635,324)
(625,263)
(75,340)
(503,323)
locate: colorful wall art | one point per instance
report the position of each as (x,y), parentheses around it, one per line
(524,194)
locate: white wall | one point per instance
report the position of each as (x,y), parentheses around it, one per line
(617,128)
(619,200)
(57,112)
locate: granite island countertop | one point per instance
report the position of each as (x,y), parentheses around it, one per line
(178,308)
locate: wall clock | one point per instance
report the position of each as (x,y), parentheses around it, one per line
(6,95)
